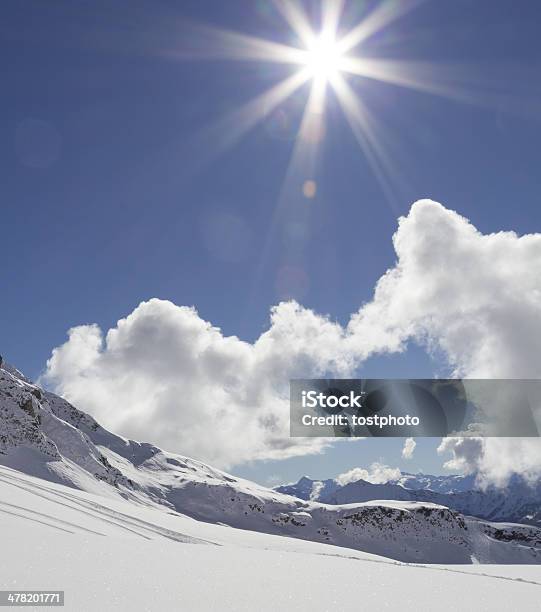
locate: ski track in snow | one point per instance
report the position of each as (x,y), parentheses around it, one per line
(48,516)
(99,512)
(433,568)
(28,518)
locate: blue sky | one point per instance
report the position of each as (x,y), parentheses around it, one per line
(111,196)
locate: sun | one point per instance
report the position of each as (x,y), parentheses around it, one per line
(331,60)
(324,58)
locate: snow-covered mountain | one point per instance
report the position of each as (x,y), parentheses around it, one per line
(44,436)
(309,489)
(519,501)
(440,484)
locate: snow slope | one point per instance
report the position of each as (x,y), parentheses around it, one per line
(108,553)
(44,436)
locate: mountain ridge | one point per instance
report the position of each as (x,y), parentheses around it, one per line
(519,501)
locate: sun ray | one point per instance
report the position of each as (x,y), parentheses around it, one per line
(216,43)
(294,14)
(231,128)
(312,126)
(380,17)
(439,80)
(301,166)
(364,127)
(331,12)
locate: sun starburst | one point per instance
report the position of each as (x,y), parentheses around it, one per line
(330,56)
(325,59)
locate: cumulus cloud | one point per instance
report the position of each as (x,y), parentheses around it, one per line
(475,297)
(166,375)
(494,460)
(409,447)
(378,473)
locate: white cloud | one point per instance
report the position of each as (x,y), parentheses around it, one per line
(475,297)
(494,459)
(377,474)
(166,375)
(409,447)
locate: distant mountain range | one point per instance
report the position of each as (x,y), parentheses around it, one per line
(519,501)
(44,436)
